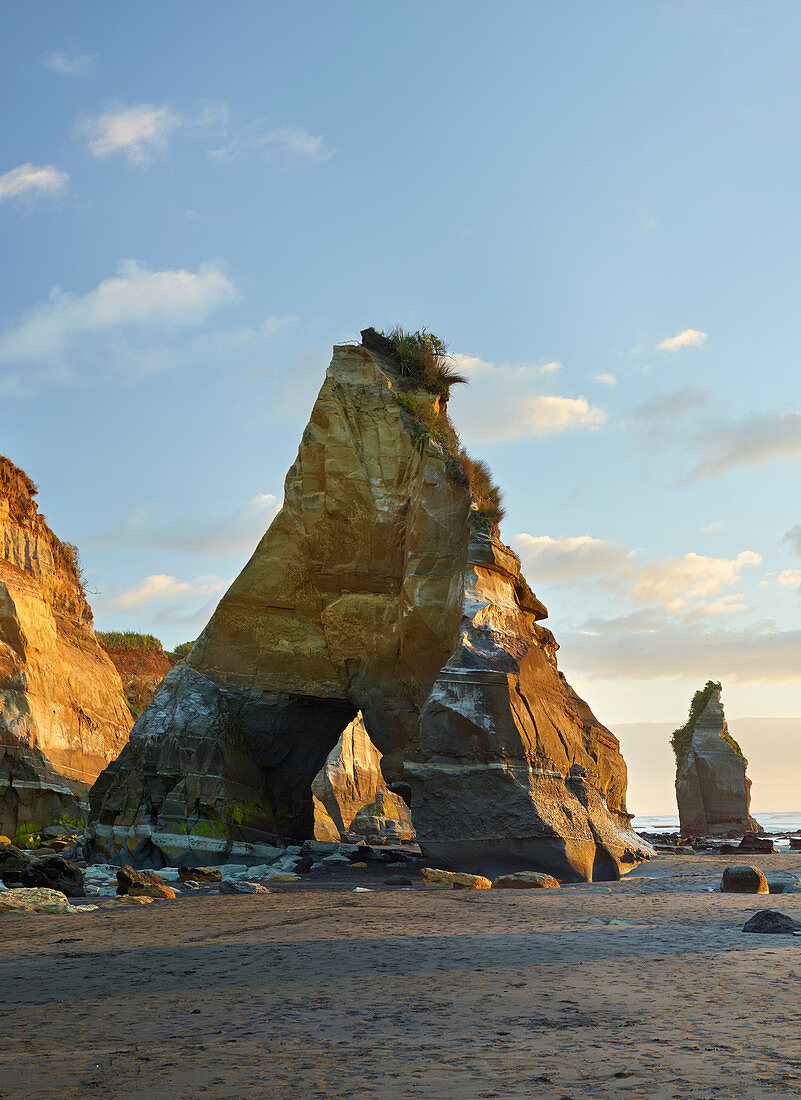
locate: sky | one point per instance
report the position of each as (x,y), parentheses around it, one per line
(595,205)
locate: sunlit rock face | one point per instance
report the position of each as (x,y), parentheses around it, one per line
(351,796)
(62,713)
(514,770)
(360,598)
(713,791)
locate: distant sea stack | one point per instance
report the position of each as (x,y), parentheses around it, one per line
(381,587)
(712,789)
(63,716)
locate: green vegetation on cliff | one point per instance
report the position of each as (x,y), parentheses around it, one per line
(682,737)
(421,359)
(128,639)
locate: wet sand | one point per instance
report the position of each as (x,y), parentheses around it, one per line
(316,991)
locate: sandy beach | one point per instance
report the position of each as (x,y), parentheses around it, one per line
(316,991)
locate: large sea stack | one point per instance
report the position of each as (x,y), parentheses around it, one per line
(712,789)
(63,716)
(380,588)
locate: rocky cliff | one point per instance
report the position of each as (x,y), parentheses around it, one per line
(360,597)
(712,789)
(62,713)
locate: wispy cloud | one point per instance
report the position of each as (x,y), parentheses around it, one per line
(134,298)
(751,441)
(664,649)
(155,528)
(289,144)
(29,180)
(68,62)
(694,585)
(687,338)
(137,133)
(499,403)
(605,379)
(162,588)
(715,525)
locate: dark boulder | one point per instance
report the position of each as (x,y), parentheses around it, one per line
(772,922)
(753,843)
(743,879)
(12,863)
(55,873)
(398,880)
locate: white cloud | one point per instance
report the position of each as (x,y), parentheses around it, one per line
(549,559)
(551,368)
(135,298)
(68,62)
(153,528)
(551,415)
(605,379)
(687,338)
(675,582)
(289,144)
(496,406)
(137,133)
(789,578)
(693,586)
(715,525)
(32,179)
(160,588)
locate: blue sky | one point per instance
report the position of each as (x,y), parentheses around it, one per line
(595,204)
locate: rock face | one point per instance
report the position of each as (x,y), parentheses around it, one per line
(384,821)
(514,770)
(141,671)
(712,789)
(361,598)
(62,713)
(351,795)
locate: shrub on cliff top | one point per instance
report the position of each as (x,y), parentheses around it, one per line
(128,639)
(180,652)
(487,496)
(66,556)
(423,359)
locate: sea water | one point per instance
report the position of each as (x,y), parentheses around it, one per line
(785,821)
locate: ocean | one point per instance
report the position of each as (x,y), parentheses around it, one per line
(785,821)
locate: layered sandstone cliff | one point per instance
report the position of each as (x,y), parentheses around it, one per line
(514,770)
(360,598)
(712,789)
(63,717)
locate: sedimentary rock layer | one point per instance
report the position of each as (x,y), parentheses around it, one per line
(62,713)
(360,598)
(514,770)
(713,791)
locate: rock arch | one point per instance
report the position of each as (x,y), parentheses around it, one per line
(370,592)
